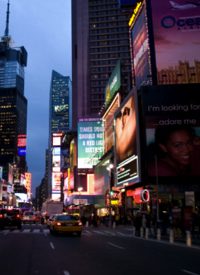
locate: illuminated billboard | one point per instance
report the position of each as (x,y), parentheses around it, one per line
(28,185)
(56,163)
(61,109)
(90,142)
(56,183)
(126,141)
(113,85)
(21,141)
(56,139)
(177,39)
(21,151)
(108,120)
(140,49)
(172,122)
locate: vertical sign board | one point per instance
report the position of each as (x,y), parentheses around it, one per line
(56,166)
(127,142)
(90,142)
(139,44)
(114,83)
(177,38)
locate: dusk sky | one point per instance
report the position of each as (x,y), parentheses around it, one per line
(44,29)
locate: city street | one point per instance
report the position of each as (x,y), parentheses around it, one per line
(100,251)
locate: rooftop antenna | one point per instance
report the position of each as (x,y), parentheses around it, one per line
(6,36)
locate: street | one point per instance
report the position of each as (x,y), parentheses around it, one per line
(100,251)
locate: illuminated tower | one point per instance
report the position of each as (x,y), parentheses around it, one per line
(13,104)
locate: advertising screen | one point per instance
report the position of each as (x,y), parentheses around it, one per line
(21,151)
(108,119)
(21,141)
(172,118)
(177,38)
(56,182)
(56,163)
(126,141)
(140,51)
(90,142)
(113,85)
(61,109)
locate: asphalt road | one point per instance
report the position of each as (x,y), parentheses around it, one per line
(100,251)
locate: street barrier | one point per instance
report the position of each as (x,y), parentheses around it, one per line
(188,238)
(158,234)
(146,233)
(171,236)
(141,232)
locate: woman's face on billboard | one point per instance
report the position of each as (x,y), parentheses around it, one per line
(179,147)
(126,131)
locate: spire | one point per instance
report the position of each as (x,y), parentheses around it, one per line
(7,38)
(6,34)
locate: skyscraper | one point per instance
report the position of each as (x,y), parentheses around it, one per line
(60,98)
(13,104)
(100,37)
(59,124)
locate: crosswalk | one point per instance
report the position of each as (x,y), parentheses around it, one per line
(86,232)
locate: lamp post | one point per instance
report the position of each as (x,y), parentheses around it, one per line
(157,194)
(80,189)
(109,168)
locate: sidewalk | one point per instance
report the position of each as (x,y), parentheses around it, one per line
(186,239)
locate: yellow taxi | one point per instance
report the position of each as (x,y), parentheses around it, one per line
(66,223)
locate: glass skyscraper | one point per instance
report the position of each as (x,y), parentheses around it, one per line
(13,104)
(60,98)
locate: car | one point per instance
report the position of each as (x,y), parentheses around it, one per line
(10,218)
(29,217)
(66,223)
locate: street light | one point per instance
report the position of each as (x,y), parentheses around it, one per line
(109,168)
(80,189)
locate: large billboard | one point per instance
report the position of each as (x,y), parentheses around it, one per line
(172,122)
(139,43)
(114,83)
(90,142)
(108,120)
(177,39)
(126,142)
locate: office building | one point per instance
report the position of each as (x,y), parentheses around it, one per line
(60,97)
(13,103)
(100,37)
(59,125)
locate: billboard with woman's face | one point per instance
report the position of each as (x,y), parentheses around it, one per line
(126,142)
(172,118)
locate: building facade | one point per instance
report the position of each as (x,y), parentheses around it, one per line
(100,37)
(13,103)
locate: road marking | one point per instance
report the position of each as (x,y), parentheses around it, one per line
(26,231)
(36,231)
(98,232)
(66,272)
(52,246)
(189,272)
(121,234)
(117,246)
(109,233)
(15,231)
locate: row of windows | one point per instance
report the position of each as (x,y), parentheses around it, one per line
(107,56)
(109,30)
(118,17)
(103,62)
